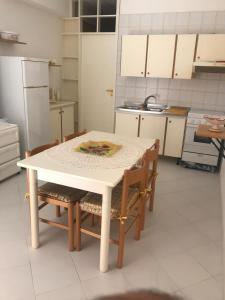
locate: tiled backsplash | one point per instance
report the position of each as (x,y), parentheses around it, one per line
(204,91)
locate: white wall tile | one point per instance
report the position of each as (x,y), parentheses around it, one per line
(182,19)
(163,95)
(123,22)
(145,21)
(134,21)
(157,22)
(130,92)
(209,18)
(169,21)
(220,18)
(173,95)
(140,93)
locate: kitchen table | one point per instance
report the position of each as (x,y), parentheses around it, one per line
(63,165)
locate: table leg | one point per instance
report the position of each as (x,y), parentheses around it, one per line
(34,218)
(105,229)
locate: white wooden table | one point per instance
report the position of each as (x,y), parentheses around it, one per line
(99,179)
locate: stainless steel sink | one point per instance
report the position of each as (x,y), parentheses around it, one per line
(141,109)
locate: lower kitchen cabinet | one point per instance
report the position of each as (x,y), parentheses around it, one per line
(168,129)
(62,121)
(174,136)
(127,124)
(153,127)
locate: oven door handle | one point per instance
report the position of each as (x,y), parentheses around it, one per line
(204,140)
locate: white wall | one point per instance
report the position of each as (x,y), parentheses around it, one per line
(40,29)
(58,7)
(156,6)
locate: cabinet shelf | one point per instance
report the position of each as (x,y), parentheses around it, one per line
(70,79)
(70,57)
(12,42)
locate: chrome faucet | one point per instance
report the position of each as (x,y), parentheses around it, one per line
(149,97)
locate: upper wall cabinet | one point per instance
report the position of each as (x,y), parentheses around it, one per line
(133,55)
(161,49)
(211,47)
(184,58)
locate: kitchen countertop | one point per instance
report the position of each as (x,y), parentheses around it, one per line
(171,110)
(61,103)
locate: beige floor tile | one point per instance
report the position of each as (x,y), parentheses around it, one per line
(183,269)
(16,284)
(70,292)
(205,290)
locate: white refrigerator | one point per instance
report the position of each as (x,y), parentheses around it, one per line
(24,98)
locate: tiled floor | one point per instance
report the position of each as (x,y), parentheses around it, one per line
(180,250)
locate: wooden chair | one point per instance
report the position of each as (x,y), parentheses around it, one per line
(74,135)
(152,161)
(127,203)
(58,195)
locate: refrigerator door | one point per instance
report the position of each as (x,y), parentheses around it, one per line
(37,116)
(35,73)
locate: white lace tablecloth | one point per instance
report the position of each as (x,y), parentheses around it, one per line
(130,152)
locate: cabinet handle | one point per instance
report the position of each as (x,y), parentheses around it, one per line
(136,118)
(170,121)
(176,74)
(142,72)
(198,57)
(142,119)
(148,73)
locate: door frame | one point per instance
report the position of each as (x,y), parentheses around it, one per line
(81,110)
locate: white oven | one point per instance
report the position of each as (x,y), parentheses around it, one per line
(196,149)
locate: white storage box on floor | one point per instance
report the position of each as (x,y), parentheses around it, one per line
(9,150)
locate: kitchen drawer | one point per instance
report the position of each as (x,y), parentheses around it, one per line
(8,169)
(8,134)
(200,158)
(9,152)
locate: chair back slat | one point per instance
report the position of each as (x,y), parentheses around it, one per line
(74,135)
(41,148)
(133,177)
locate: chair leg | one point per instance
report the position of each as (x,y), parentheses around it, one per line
(58,213)
(71,227)
(142,213)
(152,196)
(121,245)
(78,224)
(138,224)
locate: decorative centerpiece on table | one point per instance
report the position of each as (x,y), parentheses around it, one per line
(217,122)
(100,148)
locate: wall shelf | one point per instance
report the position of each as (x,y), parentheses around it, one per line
(12,42)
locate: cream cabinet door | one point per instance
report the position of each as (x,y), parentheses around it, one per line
(67,120)
(127,124)
(174,136)
(210,47)
(160,56)
(55,124)
(133,56)
(185,52)
(153,127)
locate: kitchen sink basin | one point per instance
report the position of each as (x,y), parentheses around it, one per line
(156,110)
